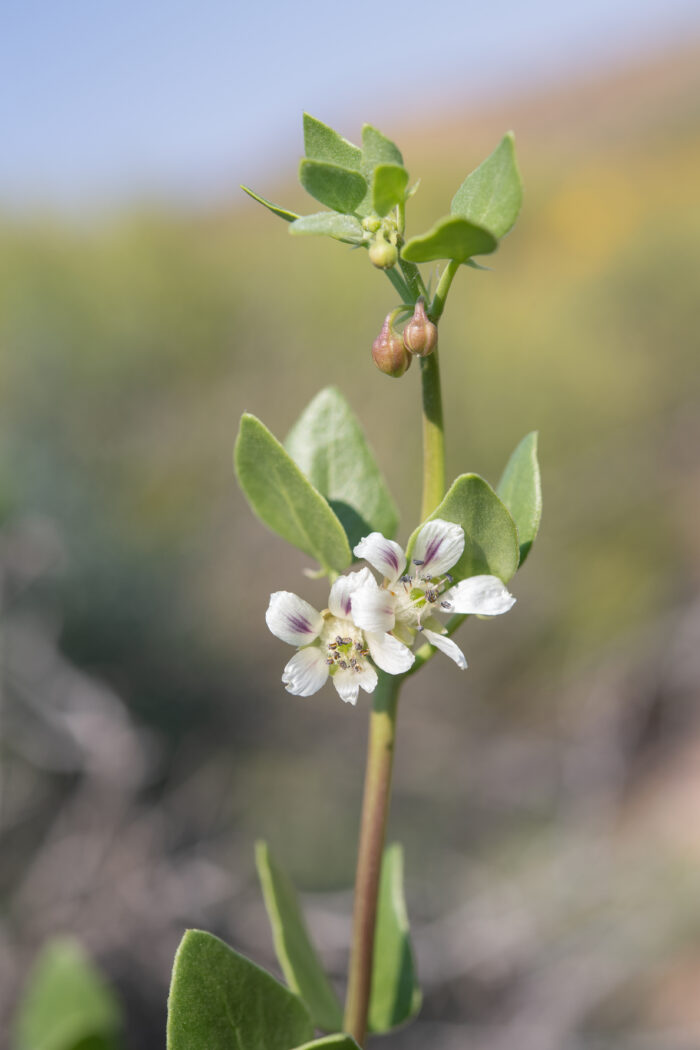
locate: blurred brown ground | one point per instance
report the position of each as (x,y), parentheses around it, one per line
(548,797)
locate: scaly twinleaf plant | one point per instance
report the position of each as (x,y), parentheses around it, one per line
(322,491)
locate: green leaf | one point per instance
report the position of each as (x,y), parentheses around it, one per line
(295,952)
(520,489)
(327,443)
(450,238)
(378,149)
(288,216)
(395,996)
(491,537)
(340,1041)
(389,187)
(329,224)
(323,143)
(284,499)
(219,1000)
(66,1003)
(492,195)
(336,187)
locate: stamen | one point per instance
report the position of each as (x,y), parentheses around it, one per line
(330,661)
(446,605)
(343,664)
(419,627)
(416,561)
(339,640)
(332,645)
(449,577)
(358,647)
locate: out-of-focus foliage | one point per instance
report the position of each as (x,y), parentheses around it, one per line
(67,1005)
(547,798)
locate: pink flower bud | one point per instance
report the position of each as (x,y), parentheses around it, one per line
(420,335)
(389,353)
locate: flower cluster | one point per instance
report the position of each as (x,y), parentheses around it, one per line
(369,623)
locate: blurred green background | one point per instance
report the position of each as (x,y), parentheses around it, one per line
(548,797)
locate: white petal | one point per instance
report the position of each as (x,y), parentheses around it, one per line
(343,589)
(438,546)
(482,595)
(367,678)
(373,609)
(383,555)
(446,646)
(306,672)
(292,619)
(389,653)
(347,684)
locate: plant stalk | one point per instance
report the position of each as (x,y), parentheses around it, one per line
(433,435)
(382,727)
(375,810)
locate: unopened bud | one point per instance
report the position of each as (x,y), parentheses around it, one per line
(371,223)
(388,352)
(382,254)
(420,335)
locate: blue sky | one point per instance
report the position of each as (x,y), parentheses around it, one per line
(101,102)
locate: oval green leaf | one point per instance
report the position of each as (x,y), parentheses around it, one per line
(288,216)
(378,149)
(321,142)
(491,196)
(66,1003)
(285,500)
(491,538)
(329,224)
(328,444)
(220,1000)
(338,188)
(339,1041)
(395,996)
(295,952)
(450,238)
(389,187)
(520,489)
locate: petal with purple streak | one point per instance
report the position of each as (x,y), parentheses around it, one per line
(383,555)
(340,598)
(439,545)
(292,619)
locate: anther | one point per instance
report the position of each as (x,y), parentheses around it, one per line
(343,664)
(417,562)
(358,647)
(330,661)
(449,577)
(445,605)
(332,645)
(339,640)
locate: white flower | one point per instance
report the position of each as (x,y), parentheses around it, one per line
(406,602)
(331,644)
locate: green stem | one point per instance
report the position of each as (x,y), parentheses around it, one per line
(433,435)
(438,303)
(375,809)
(412,276)
(382,727)
(399,284)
